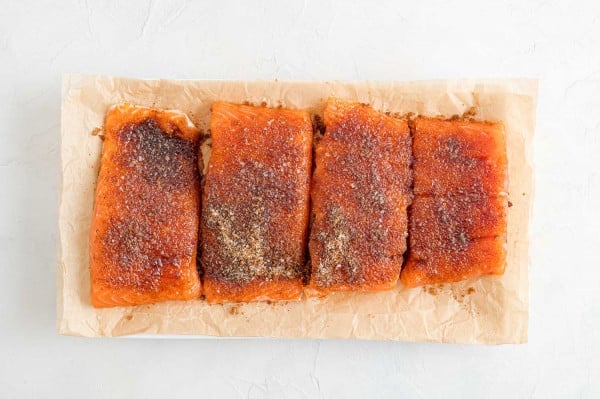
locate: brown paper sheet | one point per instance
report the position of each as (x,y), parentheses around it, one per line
(489,310)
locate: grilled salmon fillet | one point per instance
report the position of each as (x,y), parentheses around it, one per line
(360,193)
(144,232)
(255,204)
(458,216)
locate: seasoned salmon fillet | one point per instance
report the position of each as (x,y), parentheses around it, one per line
(360,193)
(144,231)
(457,226)
(256,203)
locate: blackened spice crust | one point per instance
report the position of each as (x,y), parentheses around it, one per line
(151,230)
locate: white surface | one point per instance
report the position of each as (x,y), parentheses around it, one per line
(557,42)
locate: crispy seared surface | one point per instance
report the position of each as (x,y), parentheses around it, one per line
(361,189)
(458,216)
(256,203)
(143,237)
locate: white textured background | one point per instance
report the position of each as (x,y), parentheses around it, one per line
(558,42)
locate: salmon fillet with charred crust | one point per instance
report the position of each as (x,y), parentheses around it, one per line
(360,193)
(256,204)
(458,217)
(144,231)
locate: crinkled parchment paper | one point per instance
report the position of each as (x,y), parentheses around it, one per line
(490,310)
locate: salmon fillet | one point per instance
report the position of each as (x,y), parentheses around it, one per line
(458,216)
(256,204)
(144,232)
(360,193)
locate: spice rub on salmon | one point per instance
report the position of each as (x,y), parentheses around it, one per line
(455,157)
(144,231)
(256,203)
(457,226)
(360,193)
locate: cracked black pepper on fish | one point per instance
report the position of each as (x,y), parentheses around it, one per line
(256,203)
(360,193)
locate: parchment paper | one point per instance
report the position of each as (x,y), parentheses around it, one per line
(489,310)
